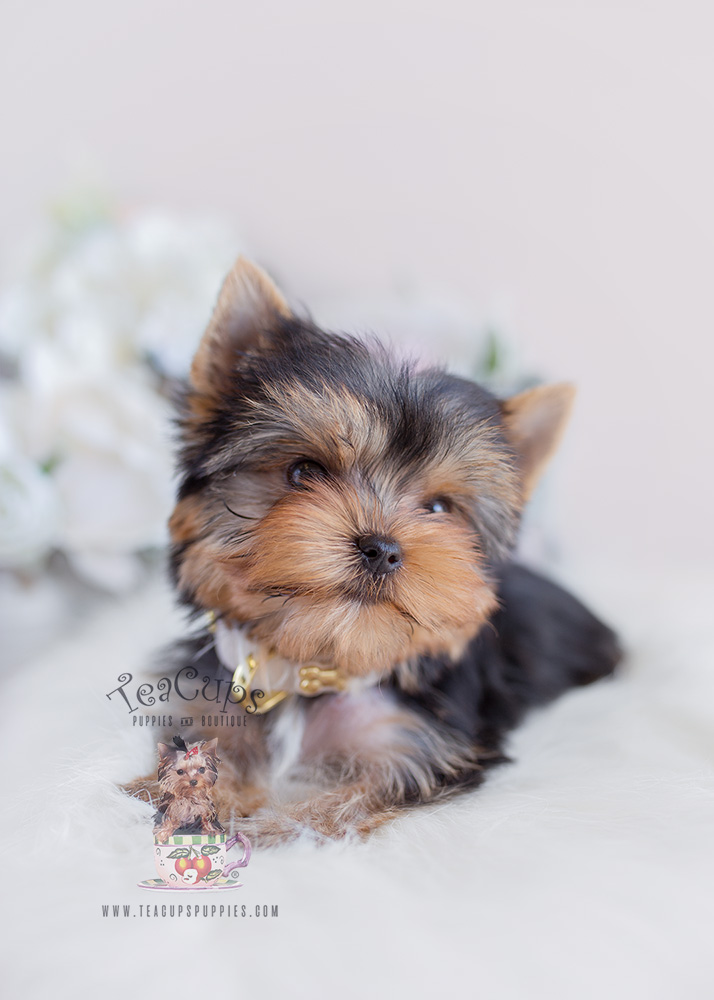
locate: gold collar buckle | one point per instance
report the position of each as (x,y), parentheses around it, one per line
(243,676)
(253,674)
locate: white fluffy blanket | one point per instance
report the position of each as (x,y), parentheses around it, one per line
(583,870)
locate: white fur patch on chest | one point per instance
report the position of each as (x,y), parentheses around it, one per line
(286,736)
(350,723)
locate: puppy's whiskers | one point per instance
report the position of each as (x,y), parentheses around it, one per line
(246,517)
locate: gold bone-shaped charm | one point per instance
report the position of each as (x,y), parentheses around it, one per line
(315,680)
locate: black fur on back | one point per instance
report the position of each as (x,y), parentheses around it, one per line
(541,642)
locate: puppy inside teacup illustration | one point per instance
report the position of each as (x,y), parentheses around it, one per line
(186,778)
(190,846)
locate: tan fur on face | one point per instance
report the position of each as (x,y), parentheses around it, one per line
(189,520)
(286,562)
(330,610)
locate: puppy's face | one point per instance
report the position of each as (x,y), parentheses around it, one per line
(350,511)
(186,775)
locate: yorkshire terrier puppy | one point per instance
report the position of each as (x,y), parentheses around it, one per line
(345,526)
(186,778)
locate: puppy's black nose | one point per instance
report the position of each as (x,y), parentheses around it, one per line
(381,554)
(193,781)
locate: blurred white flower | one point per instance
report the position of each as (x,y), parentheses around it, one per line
(105,435)
(29,513)
(113,475)
(105,312)
(116,295)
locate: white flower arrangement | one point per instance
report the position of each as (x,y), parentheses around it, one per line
(107,314)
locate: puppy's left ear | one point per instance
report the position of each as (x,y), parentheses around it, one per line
(248,305)
(535,421)
(211,749)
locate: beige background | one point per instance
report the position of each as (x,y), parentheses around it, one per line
(550,164)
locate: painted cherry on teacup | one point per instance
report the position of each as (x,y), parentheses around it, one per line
(201,864)
(192,866)
(186,866)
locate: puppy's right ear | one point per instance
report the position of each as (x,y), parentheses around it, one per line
(248,305)
(535,421)
(164,751)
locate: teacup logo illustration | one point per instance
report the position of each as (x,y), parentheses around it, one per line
(198,861)
(190,845)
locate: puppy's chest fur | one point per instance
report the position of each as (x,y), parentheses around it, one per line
(181,810)
(335,729)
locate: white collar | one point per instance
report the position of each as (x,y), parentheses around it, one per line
(256,668)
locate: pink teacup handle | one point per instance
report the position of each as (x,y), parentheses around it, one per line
(231,842)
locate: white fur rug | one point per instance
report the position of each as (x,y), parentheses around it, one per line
(583,870)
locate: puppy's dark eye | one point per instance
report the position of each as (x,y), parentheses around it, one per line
(439,505)
(305,471)
(202,770)
(179,770)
